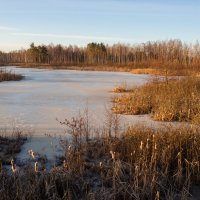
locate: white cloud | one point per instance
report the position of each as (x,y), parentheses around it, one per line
(79,37)
(6,28)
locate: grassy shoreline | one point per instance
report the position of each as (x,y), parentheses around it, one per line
(170,100)
(72,67)
(111,68)
(9,76)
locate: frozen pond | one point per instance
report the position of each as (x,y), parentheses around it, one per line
(44,95)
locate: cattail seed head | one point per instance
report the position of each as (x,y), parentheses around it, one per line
(100,164)
(153,137)
(65,164)
(136,169)
(32,154)
(157,195)
(141,145)
(112,155)
(36,167)
(13,166)
(147,145)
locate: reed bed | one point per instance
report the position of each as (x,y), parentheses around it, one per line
(142,163)
(9,76)
(169,100)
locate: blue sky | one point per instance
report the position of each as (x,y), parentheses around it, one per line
(79,22)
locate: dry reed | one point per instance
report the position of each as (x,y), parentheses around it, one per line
(142,163)
(173,100)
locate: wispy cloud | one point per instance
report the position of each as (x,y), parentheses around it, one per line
(6,28)
(78,37)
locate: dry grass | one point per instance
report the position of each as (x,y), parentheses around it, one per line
(112,68)
(9,76)
(56,184)
(148,71)
(11,145)
(122,88)
(141,164)
(119,89)
(174,100)
(164,71)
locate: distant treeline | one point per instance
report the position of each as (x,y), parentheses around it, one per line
(173,54)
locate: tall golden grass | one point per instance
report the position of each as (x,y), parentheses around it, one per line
(169,100)
(142,163)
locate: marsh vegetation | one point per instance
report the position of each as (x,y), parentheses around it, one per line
(137,162)
(9,76)
(164,100)
(141,163)
(10,145)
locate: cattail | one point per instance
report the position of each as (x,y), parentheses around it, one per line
(36,167)
(153,138)
(179,159)
(136,169)
(69,148)
(100,164)
(112,155)
(147,145)
(13,166)
(141,145)
(32,154)
(64,164)
(157,195)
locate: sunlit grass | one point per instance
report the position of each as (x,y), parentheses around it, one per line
(142,163)
(173,100)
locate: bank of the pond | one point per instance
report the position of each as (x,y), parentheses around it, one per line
(113,68)
(9,76)
(169,100)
